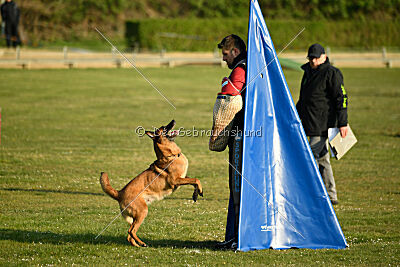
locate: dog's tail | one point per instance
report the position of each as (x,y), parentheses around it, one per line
(107,188)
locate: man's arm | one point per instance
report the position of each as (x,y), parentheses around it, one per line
(234,84)
(238,78)
(3,19)
(299,102)
(340,100)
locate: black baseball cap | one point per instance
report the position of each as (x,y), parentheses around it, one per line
(315,50)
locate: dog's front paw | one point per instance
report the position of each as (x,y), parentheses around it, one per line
(200,189)
(195,194)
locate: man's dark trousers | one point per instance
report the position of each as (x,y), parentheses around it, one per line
(235,178)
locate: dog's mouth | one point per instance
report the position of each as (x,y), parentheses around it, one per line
(163,131)
(173,134)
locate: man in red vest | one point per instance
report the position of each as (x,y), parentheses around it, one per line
(235,55)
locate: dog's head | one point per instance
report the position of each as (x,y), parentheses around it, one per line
(163,139)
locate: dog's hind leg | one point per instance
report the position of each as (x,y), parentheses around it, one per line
(141,213)
(130,239)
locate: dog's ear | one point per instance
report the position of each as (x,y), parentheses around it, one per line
(152,135)
(161,131)
(170,126)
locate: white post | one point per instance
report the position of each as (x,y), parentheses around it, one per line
(65,51)
(162,53)
(216,52)
(18,54)
(136,48)
(113,52)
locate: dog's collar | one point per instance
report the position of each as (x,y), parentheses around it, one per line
(172,156)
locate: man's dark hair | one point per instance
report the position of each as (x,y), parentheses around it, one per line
(231,41)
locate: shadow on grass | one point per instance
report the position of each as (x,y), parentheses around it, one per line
(25,236)
(52,191)
(95,194)
(169,243)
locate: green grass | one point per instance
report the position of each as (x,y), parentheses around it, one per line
(61,128)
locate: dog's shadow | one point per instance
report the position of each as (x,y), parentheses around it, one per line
(26,236)
(43,191)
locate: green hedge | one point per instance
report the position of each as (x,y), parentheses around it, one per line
(74,20)
(190,34)
(203,34)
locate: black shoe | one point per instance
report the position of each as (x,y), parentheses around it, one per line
(225,244)
(234,246)
(334,202)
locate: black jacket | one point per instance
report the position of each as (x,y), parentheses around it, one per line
(323,100)
(10,13)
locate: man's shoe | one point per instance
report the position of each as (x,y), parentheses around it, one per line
(334,202)
(225,244)
(234,246)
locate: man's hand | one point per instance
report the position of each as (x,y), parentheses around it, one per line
(343,131)
(3,28)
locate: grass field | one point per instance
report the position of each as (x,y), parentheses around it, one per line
(60,128)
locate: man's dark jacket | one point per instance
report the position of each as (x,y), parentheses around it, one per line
(323,99)
(10,13)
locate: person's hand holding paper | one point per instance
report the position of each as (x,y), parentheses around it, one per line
(343,131)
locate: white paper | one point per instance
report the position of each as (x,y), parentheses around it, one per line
(332,132)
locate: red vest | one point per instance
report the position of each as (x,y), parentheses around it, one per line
(234,84)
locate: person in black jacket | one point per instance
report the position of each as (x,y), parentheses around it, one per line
(10,20)
(322,104)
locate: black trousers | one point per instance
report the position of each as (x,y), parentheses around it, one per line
(235,178)
(11,32)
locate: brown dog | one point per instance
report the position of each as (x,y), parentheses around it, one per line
(163,177)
